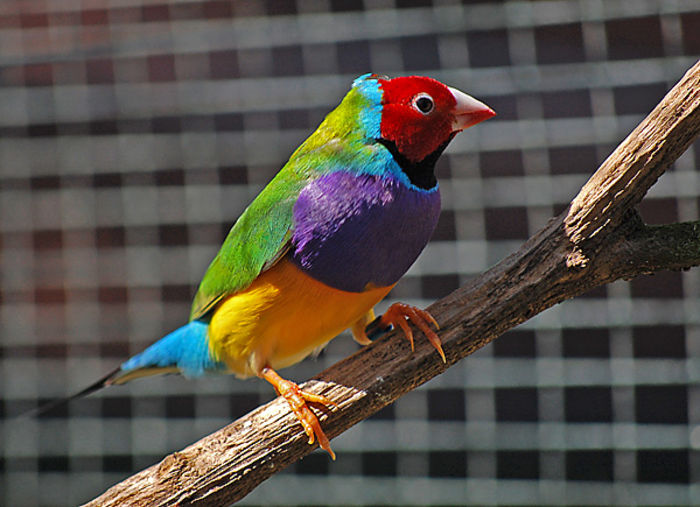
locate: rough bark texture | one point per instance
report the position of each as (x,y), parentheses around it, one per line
(599,239)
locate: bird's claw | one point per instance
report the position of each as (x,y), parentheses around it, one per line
(299,403)
(397,314)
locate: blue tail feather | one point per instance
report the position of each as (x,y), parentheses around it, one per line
(186,349)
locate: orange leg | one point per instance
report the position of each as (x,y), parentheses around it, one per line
(297,400)
(396,315)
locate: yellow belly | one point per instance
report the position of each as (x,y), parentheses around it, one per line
(281,318)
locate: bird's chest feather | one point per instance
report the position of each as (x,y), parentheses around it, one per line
(354,231)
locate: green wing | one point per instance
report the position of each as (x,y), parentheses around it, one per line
(262,234)
(258,239)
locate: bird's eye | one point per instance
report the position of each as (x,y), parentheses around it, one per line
(424,103)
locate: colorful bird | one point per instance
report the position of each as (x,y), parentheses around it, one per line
(324,242)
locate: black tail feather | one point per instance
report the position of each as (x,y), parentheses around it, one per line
(54,404)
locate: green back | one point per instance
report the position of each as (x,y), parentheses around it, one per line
(261,235)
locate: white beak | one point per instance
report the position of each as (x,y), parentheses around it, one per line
(468,110)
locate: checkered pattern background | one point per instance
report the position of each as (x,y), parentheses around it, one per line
(134,132)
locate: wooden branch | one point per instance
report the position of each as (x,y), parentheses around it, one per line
(648,249)
(635,165)
(599,239)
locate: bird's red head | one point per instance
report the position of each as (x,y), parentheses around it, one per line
(421,115)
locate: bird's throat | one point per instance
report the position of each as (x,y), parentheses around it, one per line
(421,173)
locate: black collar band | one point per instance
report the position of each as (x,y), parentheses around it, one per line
(422,173)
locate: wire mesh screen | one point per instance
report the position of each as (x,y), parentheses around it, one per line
(134,132)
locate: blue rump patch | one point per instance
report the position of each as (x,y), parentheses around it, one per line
(186,348)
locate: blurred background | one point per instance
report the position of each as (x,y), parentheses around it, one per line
(134,132)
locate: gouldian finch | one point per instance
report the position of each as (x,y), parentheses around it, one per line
(324,242)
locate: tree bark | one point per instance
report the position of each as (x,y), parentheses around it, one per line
(600,238)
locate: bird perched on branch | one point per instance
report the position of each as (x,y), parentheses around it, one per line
(324,242)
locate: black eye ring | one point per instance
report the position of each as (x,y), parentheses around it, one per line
(423,103)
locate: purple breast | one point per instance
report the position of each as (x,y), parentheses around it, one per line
(354,231)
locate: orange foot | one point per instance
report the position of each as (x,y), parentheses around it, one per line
(297,400)
(396,315)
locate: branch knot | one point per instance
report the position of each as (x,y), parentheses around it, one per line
(577,259)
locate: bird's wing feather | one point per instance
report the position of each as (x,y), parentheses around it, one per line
(258,239)
(262,234)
